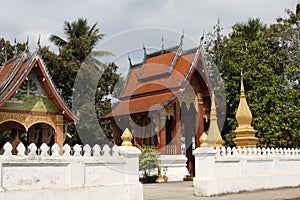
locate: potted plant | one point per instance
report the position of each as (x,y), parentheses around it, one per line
(165,174)
(148,162)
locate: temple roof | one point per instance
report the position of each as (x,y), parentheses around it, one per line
(157,81)
(15,72)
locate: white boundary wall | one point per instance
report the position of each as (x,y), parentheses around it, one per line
(233,170)
(80,173)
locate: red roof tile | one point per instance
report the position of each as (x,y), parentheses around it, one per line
(140,105)
(154,82)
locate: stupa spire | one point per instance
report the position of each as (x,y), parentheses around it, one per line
(245,134)
(214,136)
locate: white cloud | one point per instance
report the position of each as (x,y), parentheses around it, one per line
(21,18)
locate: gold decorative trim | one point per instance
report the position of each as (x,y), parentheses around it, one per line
(28,120)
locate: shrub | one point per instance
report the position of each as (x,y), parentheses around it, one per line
(148,161)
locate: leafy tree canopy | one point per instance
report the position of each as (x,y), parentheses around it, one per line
(269,58)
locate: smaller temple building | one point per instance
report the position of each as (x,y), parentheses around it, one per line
(165,102)
(31,110)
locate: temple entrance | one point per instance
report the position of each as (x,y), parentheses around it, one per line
(41,133)
(15,133)
(12,132)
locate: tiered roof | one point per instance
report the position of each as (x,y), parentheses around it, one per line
(15,72)
(156,82)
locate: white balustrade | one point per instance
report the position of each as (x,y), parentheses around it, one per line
(234,169)
(7,149)
(96,150)
(79,172)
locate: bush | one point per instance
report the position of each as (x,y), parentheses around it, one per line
(148,162)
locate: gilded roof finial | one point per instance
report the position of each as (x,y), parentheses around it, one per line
(126,138)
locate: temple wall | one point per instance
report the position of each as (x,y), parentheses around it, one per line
(80,173)
(233,170)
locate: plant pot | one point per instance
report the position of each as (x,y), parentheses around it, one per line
(149,179)
(165,179)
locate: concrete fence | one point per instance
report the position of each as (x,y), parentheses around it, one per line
(230,170)
(76,173)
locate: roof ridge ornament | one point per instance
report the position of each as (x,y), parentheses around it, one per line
(15,49)
(181,38)
(145,52)
(162,44)
(39,43)
(129,59)
(201,40)
(26,43)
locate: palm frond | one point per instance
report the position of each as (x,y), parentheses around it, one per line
(99,53)
(58,41)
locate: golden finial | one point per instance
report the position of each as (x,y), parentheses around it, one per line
(214,137)
(245,134)
(243,114)
(126,138)
(242,84)
(203,140)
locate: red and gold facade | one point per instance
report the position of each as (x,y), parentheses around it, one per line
(165,102)
(31,110)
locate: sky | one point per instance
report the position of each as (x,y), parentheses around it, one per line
(130,24)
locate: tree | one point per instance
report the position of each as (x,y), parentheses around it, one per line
(79,30)
(148,162)
(269,57)
(250,31)
(76,52)
(8,51)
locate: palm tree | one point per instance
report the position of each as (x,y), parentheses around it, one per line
(78,29)
(80,41)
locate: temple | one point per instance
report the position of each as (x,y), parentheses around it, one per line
(31,110)
(165,102)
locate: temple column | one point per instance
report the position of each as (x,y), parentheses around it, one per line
(162,134)
(45,133)
(199,121)
(59,131)
(137,131)
(116,133)
(177,129)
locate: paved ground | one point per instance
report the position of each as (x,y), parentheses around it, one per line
(185,191)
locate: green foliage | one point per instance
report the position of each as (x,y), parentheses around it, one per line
(7,50)
(76,52)
(270,59)
(148,160)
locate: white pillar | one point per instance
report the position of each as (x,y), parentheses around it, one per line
(205,182)
(131,171)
